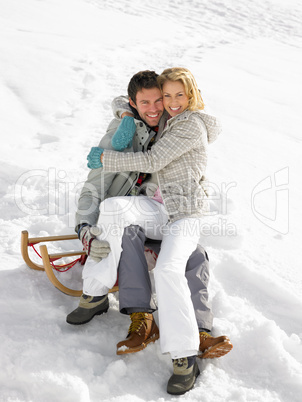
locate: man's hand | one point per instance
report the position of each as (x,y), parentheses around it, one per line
(96,249)
(124,134)
(94,158)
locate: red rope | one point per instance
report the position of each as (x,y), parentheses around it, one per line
(58,267)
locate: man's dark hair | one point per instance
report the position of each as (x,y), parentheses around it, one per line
(143,79)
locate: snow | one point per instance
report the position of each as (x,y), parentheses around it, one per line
(61,64)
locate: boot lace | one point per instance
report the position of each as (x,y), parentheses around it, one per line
(179,362)
(205,335)
(138,319)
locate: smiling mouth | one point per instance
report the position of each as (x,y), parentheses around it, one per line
(153,116)
(174,109)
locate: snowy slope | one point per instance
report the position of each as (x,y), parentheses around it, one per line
(61,64)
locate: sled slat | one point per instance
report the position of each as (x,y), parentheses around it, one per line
(56,256)
(35,240)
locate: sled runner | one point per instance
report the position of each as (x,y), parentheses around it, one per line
(48,259)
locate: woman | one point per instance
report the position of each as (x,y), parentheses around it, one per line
(172,213)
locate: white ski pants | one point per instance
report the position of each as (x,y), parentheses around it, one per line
(177,322)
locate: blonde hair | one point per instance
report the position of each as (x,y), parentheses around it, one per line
(187,79)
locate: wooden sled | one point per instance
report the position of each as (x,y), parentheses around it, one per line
(48,259)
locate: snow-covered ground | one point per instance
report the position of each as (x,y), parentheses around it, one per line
(61,64)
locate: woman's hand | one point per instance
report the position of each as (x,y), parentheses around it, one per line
(94,158)
(124,134)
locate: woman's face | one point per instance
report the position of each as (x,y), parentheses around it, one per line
(175,99)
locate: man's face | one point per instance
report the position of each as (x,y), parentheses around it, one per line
(149,105)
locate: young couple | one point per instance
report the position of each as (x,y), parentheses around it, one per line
(157,154)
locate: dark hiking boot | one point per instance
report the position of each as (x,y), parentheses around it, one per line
(185,372)
(142,331)
(89,306)
(211,348)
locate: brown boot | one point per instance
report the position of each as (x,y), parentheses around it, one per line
(142,331)
(211,348)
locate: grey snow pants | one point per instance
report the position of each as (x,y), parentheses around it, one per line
(135,291)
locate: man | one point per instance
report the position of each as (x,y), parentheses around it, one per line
(145,104)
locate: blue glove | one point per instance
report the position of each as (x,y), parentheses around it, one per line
(124,134)
(94,158)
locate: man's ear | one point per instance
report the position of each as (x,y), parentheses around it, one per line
(132,103)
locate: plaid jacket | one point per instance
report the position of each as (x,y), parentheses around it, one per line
(179,157)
